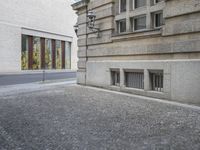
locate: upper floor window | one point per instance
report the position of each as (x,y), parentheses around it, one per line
(121,26)
(140,3)
(157,1)
(158,19)
(140,23)
(122,6)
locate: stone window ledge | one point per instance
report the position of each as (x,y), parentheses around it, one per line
(136,34)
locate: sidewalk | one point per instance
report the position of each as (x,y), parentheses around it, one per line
(36,72)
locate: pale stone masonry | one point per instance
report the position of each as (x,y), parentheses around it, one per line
(165,58)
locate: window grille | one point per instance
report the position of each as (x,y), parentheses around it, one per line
(134,80)
(157,80)
(115,77)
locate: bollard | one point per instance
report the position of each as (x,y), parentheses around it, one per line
(43,78)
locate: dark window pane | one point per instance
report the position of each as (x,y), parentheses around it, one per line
(140,3)
(122,5)
(121,26)
(140,23)
(158,19)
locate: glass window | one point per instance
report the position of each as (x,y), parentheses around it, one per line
(158,19)
(134,80)
(24,54)
(36,53)
(121,26)
(67,55)
(140,3)
(115,78)
(157,1)
(58,55)
(122,5)
(48,54)
(140,23)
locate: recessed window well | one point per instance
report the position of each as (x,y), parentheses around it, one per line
(134,79)
(115,77)
(156,79)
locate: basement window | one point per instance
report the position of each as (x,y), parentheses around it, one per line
(156,78)
(115,77)
(134,79)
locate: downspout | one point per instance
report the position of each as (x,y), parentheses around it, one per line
(86,42)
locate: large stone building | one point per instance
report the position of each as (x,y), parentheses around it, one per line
(37,34)
(145,47)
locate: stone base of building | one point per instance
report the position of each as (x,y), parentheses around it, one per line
(181,78)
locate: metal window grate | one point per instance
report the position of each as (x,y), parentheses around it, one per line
(115,77)
(157,81)
(134,79)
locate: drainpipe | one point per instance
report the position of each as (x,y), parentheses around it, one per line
(86,41)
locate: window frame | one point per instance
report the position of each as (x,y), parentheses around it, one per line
(156,72)
(120,8)
(134,23)
(115,81)
(155,21)
(119,26)
(134,4)
(136,71)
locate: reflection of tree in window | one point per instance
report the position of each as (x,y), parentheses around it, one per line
(68,55)
(58,55)
(48,54)
(36,53)
(24,55)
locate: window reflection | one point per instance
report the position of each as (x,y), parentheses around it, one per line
(36,53)
(24,56)
(58,55)
(48,54)
(67,55)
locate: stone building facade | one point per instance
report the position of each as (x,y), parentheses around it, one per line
(145,47)
(37,34)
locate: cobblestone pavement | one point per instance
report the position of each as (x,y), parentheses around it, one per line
(71,117)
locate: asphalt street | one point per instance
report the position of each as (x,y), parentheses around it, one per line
(71,117)
(35,77)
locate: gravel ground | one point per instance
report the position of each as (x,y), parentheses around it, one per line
(72,117)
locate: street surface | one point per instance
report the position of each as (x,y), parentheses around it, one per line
(34,77)
(71,117)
